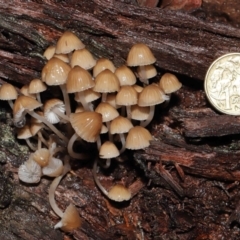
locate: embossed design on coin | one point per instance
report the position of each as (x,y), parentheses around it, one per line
(222,84)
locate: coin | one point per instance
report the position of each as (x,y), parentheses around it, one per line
(222,84)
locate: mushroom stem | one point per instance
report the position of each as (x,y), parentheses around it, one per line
(41,140)
(83,101)
(33,148)
(143,77)
(104,97)
(53,187)
(10,102)
(100,186)
(66,99)
(123,141)
(110,136)
(61,115)
(129,113)
(99,143)
(70,148)
(54,129)
(150,117)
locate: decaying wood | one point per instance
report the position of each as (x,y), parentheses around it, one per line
(175,182)
(181,42)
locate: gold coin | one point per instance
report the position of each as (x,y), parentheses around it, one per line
(222,84)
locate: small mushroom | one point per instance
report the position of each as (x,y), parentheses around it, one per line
(103,64)
(30,171)
(78,81)
(106,82)
(36,86)
(67,43)
(87,125)
(107,151)
(169,84)
(117,193)
(151,96)
(55,73)
(8,93)
(25,105)
(138,138)
(120,125)
(70,219)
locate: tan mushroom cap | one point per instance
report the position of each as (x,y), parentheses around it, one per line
(36,86)
(139,113)
(54,168)
(151,95)
(83,58)
(24,102)
(107,111)
(108,150)
(49,52)
(67,43)
(138,138)
(103,64)
(106,82)
(55,72)
(35,127)
(8,92)
(24,132)
(125,76)
(146,72)
(70,220)
(79,80)
(87,125)
(41,156)
(111,99)
(138,88)
(63,57)
(25,91)
(48,109)
(89,96)
(169,83)
(120,125)
(127,96)
(79,108)
(119,193)
(140,55)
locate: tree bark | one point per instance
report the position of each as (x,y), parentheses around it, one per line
(185,184)
(182,43)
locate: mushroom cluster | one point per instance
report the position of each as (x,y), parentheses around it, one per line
(112,107)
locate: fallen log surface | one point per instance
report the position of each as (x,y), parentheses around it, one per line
(185,186)
(181,42)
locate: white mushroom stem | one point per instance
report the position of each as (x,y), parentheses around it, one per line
(104,97)
(10,102)
(83,101)
(110,136)
(143,77)
(33,148)
(150,117)
(103,190)
(41,140)
(39,98)
(66,99)
(70,148)
(123,142)
(54,129)
(53,188)
(99,143)
(129,113)
(107,163)
(61,115)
